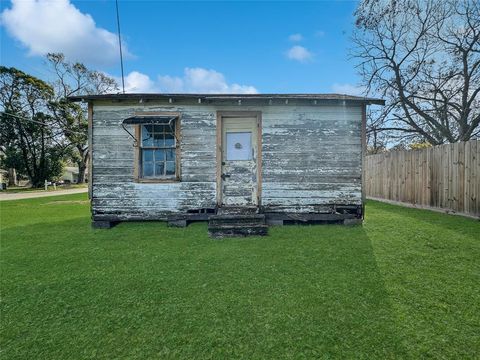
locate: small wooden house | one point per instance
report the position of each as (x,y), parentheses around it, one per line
(241,162)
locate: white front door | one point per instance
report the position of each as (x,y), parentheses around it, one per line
(239,180)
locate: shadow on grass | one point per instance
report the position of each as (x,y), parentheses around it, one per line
(145,290)
(429,262)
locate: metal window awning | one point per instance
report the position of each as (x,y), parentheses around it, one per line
(149,119)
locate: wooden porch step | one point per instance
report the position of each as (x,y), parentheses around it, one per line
(255,219)
(231,225)
(237,210)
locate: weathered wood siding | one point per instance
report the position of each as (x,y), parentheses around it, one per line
(115,194)
(311,157)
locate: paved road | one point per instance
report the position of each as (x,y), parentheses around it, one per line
(37,194)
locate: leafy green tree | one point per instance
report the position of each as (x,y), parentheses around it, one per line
(31,143)
(73,78)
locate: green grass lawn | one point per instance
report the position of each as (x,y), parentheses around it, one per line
(406,284)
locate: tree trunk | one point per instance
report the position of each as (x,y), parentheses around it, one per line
(12,177)
(82,166)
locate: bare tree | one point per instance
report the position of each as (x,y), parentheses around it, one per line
(377,139)
(75,79)
(423,57)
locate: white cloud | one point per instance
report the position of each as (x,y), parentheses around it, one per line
(194,80)
(44,26)
(171,84)
(200,80)
(348,89)
(319,33)
(136,82)
(295,37)
(299,53)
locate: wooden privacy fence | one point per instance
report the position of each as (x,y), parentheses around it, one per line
(445,177)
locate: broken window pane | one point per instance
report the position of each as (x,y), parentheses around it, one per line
(147,129)
(147,136)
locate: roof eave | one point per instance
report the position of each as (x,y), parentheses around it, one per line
(374,102)
(219,97)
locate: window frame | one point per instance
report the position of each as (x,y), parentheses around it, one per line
(139,150)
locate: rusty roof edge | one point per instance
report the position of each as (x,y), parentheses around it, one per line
(153,96)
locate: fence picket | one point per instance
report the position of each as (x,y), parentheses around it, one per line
(445,176)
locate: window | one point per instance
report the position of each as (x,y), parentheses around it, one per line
(158,151)
(239,145)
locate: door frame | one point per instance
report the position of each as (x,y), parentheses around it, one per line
(239,114)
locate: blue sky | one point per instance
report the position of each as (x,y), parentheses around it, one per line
(182,46)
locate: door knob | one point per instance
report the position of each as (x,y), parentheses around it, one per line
(224,176)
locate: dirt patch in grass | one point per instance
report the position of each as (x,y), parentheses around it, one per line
(66,202)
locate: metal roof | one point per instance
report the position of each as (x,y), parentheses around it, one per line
(154,96)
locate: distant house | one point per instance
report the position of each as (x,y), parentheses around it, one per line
(238,161)
(70,174)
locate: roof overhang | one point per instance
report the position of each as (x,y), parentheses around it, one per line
(210,98)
